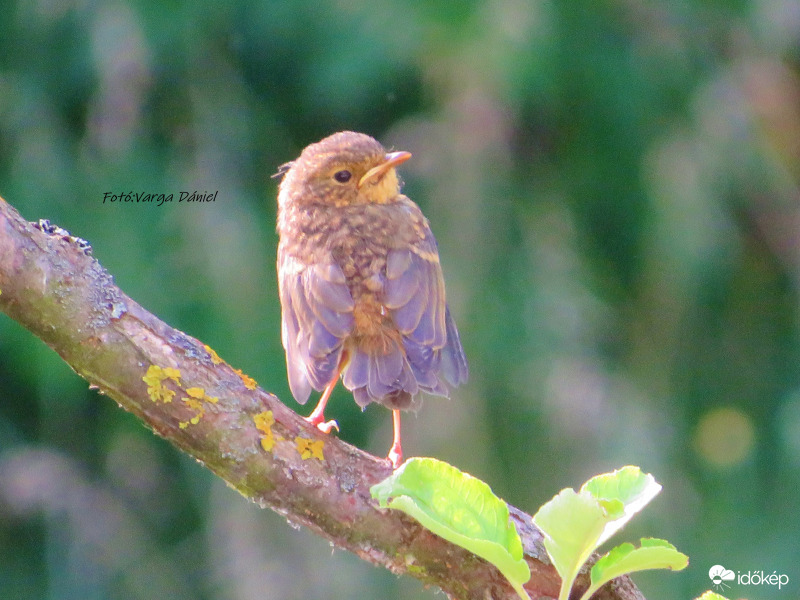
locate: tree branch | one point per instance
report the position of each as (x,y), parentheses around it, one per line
(53,287)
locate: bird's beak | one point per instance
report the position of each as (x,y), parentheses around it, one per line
(392,160)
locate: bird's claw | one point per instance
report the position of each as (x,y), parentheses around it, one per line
(328,426)
(321,424)
(395,457)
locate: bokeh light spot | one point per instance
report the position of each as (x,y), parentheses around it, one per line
(724,437)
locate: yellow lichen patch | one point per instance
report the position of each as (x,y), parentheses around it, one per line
(174,374)
(155,378)
(249,382)
(200,394)
(195,398)
(310,448)
(214,356)
(264,422)
(196,406)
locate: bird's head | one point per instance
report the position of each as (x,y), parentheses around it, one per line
(343,169)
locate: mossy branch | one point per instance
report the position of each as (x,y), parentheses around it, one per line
(260,447)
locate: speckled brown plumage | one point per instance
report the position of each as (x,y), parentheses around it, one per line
(361,288)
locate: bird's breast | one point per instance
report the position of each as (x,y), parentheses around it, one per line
(358,239)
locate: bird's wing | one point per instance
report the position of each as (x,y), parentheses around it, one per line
(317,314)
(454,361)
(414,294)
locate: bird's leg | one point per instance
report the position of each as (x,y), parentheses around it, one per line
(317,417)
(396,451)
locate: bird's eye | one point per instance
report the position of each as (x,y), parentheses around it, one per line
(342,176)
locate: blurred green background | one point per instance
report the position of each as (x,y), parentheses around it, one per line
(614,188)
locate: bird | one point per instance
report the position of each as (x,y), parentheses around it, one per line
(360,283)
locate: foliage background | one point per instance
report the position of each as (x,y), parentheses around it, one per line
(614,188)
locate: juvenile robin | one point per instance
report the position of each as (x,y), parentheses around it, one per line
(361,289)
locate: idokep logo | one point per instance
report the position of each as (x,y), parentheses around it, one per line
(720,576)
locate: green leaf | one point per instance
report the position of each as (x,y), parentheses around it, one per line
(709,595)
(572,524)
(625,558)
(576,523)
(627,489)
(459,508)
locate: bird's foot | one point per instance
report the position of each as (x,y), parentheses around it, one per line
(395,456)
(328,426)
(320,423)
